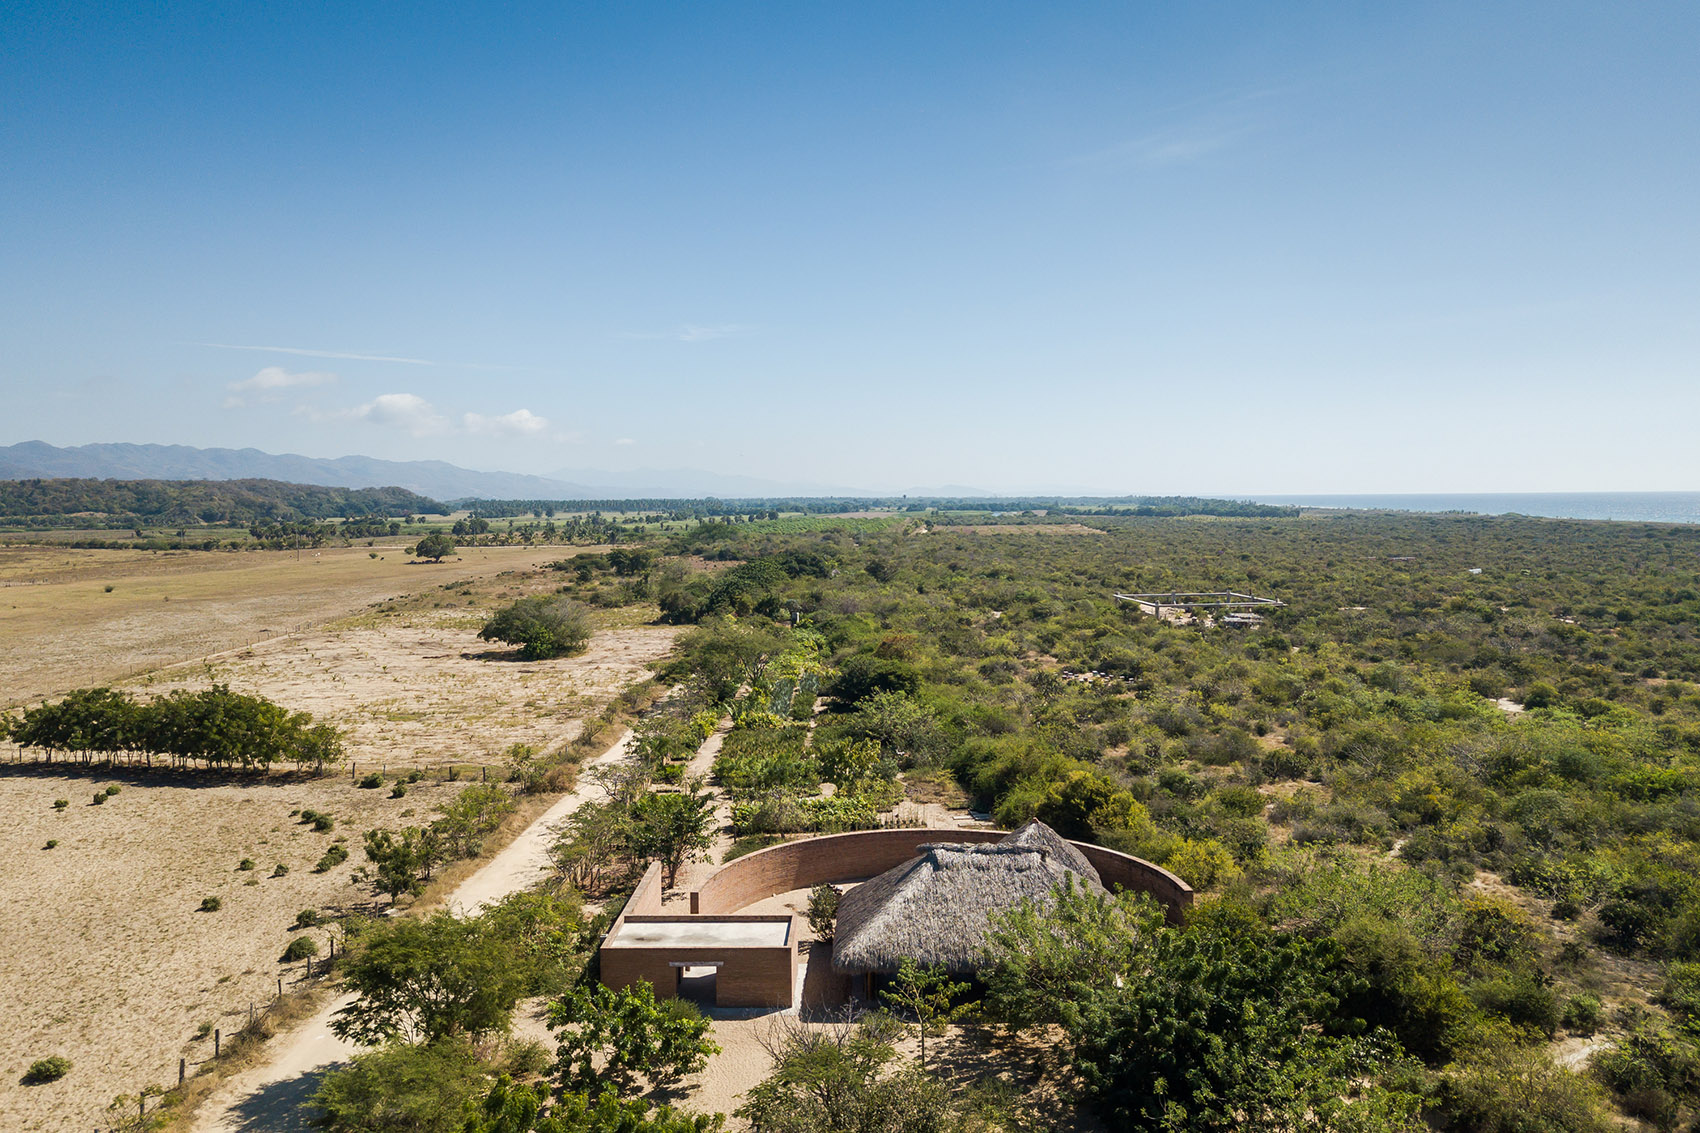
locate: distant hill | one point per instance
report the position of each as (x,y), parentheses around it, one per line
(63,502)
(434,478)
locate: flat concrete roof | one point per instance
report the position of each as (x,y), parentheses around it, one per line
(700,932)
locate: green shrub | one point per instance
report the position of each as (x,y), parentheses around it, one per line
(49,1069)
(527,1057)
(112,790)
(245,864)
(398,791)
(299,949)
(61,804)
(334,856)
(1521,997)
(823,911)
(211,904)
(280,870)
(371,782)
(99,798)
(1509,1090)
(1652,1071)
(51,842)
(544,626)
(1582,1014)
(323,824)
(308,918)
(415,775)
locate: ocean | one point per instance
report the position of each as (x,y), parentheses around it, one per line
(1636,507)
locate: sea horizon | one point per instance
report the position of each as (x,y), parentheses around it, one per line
(1627,507)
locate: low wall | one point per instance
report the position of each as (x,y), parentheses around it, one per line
(838,858)
(748,975)
(645,900)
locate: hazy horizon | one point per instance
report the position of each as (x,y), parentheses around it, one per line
(1092,249)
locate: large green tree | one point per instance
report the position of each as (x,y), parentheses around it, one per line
(543,626)
(427,980)
(435,546)
(402,1088)
(630,1033)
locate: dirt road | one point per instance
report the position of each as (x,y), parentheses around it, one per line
(272,1098)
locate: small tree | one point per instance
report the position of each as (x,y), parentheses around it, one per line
(401,861)
(636,1035)
(823,911)
(434,547)
(926,993)
(672,827)
(543,626)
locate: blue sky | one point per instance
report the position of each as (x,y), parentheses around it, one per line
(1120,247)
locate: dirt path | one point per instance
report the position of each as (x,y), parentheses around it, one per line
(272,1098)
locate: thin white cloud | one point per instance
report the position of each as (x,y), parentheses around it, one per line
(625,441)
(276,377)
(1165,148)
(402,411)
(696,332)
(519,423)
(305,353)
(415,415)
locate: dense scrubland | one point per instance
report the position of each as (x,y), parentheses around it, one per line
(1441,809)
(1451,785)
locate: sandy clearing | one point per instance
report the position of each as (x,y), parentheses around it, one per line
(165,608)
(273,1096)
(105,958)
(419,689)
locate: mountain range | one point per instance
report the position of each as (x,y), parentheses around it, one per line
(435,478)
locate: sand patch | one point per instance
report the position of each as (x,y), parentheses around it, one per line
(106,959)
(64,629)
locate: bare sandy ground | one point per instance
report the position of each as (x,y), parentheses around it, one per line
(65,629)
(420,689)
(104,957)
(274,1096)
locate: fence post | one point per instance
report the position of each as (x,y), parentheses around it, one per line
(182,1069)
(217,1035)
(280,987)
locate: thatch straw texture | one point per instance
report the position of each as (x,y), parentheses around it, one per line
(1036,835)
(935,909)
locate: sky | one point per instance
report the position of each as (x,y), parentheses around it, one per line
(1098,247)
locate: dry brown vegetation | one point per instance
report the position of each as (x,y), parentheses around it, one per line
(64,629)
(106,959)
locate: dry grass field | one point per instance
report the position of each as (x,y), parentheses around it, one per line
(105,959)
(63,628)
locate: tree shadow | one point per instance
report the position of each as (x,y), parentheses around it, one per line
(495,655)
(825,992)
(283,1107)
(978,1053)
(159,776)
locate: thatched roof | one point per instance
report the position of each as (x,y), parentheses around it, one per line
(935,908)
(1041,837)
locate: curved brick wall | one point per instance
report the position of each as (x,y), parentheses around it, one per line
(837,858)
